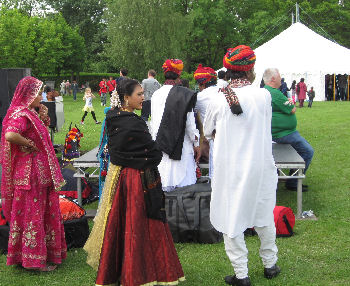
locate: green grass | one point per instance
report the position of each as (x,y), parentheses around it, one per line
(319,252)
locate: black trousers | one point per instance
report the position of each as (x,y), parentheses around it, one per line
(92,113)
(146,110)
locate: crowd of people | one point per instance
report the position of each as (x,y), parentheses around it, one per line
(337,87)
(130,243)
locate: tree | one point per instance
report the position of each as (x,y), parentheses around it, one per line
(29,7)
(215,27)
(16,39)
(47,45)
(87,17)
(142,34)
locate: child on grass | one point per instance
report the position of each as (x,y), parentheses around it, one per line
(88,96)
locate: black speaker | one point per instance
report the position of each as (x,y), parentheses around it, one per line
(51,106)
(9,79)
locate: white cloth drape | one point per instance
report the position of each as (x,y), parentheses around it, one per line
(245,177)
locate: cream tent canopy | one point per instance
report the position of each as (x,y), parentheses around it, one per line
(300,52)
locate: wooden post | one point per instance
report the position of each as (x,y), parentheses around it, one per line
(334,88)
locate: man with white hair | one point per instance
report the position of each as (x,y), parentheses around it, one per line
(284,123)
(245,177)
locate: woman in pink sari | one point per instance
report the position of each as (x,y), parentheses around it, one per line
(30,178)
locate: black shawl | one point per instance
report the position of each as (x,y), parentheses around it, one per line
(171,132)
(129,142)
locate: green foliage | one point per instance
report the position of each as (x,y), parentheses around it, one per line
(143,34)
(87,17)
(47,45)
(214,28)
(16,39)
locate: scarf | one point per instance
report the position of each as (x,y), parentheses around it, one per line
(129,142)
(171,132)
(231,96)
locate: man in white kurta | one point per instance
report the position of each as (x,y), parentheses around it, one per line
(175,173)
(206,78)
(245,177)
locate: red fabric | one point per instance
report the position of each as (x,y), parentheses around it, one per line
(111,85)
(25,121)
(70,210)
(136,250)
(302,90)
(36,231)
(3,221)
(173,65)
(103,87)
(204,74)
(240,58)
(279,212)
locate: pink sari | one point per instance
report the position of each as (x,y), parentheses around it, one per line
(29,184)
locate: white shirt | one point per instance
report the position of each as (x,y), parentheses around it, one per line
(174,173)
(203,99)
(221,83)
(245,177)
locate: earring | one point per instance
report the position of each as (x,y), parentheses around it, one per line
(127,103)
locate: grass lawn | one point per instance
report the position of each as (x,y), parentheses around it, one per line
(319,252)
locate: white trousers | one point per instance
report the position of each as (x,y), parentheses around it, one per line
(237,251)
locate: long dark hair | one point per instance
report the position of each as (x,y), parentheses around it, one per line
(126,87)
(293,84)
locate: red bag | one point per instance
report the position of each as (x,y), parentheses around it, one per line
(284,221)
(70,210)
(3,220)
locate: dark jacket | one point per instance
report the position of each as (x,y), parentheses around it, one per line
(171,132)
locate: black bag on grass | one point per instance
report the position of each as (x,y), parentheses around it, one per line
(77,232)
(188,214)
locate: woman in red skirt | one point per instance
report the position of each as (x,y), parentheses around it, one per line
(131,243)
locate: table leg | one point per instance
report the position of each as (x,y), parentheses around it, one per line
(300,194)
(80,201)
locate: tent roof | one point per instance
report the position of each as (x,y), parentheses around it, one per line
(298,49)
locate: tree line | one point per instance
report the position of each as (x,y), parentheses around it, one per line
(55,36)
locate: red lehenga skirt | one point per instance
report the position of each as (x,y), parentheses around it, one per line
(136,250)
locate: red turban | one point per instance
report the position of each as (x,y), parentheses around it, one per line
(173,65)
(241,58)
(204,74)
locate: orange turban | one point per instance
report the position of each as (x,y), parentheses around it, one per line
(204,74)
(173,65)
(241,58)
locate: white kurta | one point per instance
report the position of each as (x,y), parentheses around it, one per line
(174,173)
(203,101)
(245,177)
(222,83)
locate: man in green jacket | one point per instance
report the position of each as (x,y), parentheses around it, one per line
(284,123)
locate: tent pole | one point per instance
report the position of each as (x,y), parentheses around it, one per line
(348,86)
(296,12)
(334,88)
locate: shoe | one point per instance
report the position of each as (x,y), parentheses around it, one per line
(98,122)
(294,189)
(233,280)
(272,272)
(82,122)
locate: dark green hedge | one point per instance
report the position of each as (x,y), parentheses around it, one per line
(95,78)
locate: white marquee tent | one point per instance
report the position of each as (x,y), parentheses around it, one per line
(300,52)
